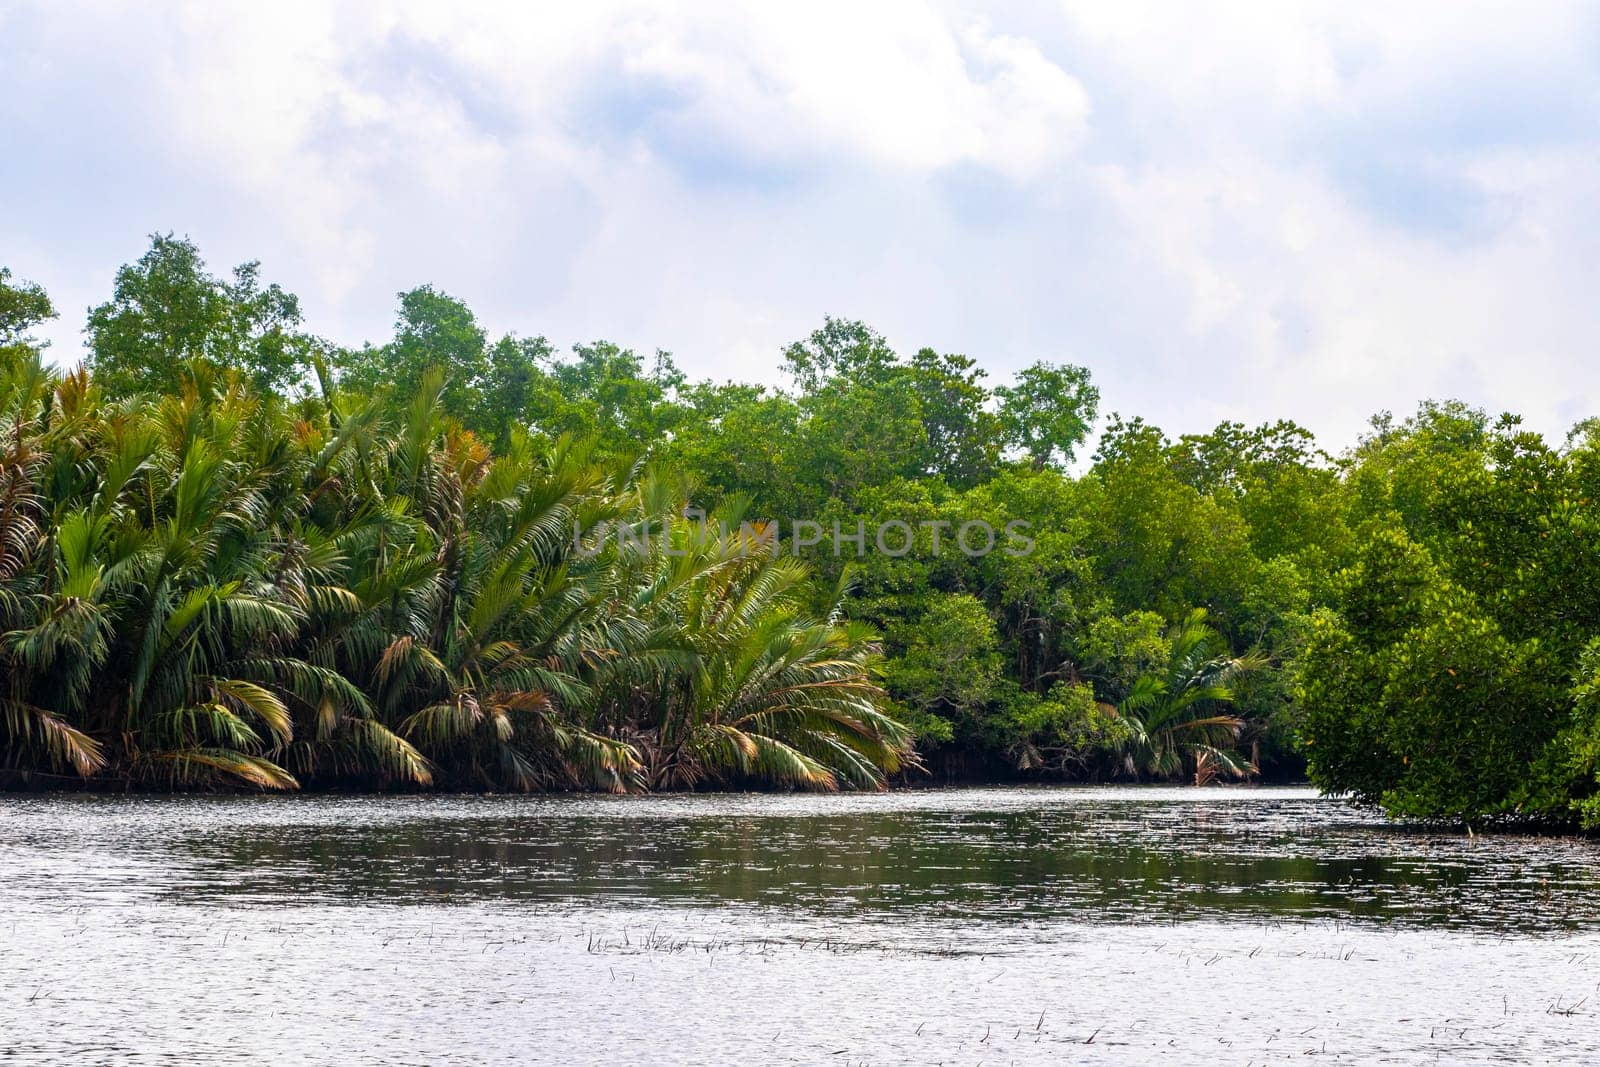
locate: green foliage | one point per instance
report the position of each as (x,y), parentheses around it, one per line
(1119,650)
(1163,544)
(210,588)
(1174,712)
(1566,782)
(948,664)
(433,331)
(23,306)
(474,563)
(856,433)
(963,438)
(1067,730)
(1411,695)
(168,313)
(842,348)
(1048,412)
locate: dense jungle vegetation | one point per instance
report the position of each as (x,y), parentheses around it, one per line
(233,554)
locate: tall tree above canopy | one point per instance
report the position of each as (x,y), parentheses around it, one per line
(515,376)
(841,348)
(963,435)
(23,305)
(167,311)
(431,329)
(1229,457)
(1048,412)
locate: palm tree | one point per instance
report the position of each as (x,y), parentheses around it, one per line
(33,732)
(168,554)
(463,619)
(1173,712)
(219,588)
(726,677)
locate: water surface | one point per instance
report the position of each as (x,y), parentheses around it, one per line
(997,926)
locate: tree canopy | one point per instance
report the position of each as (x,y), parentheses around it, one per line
(231,551)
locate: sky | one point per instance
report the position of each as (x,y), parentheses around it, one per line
(1245,211)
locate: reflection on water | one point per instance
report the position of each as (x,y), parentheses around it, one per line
(1216,923)
(1088,855)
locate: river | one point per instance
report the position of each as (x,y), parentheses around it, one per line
(1093,925)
